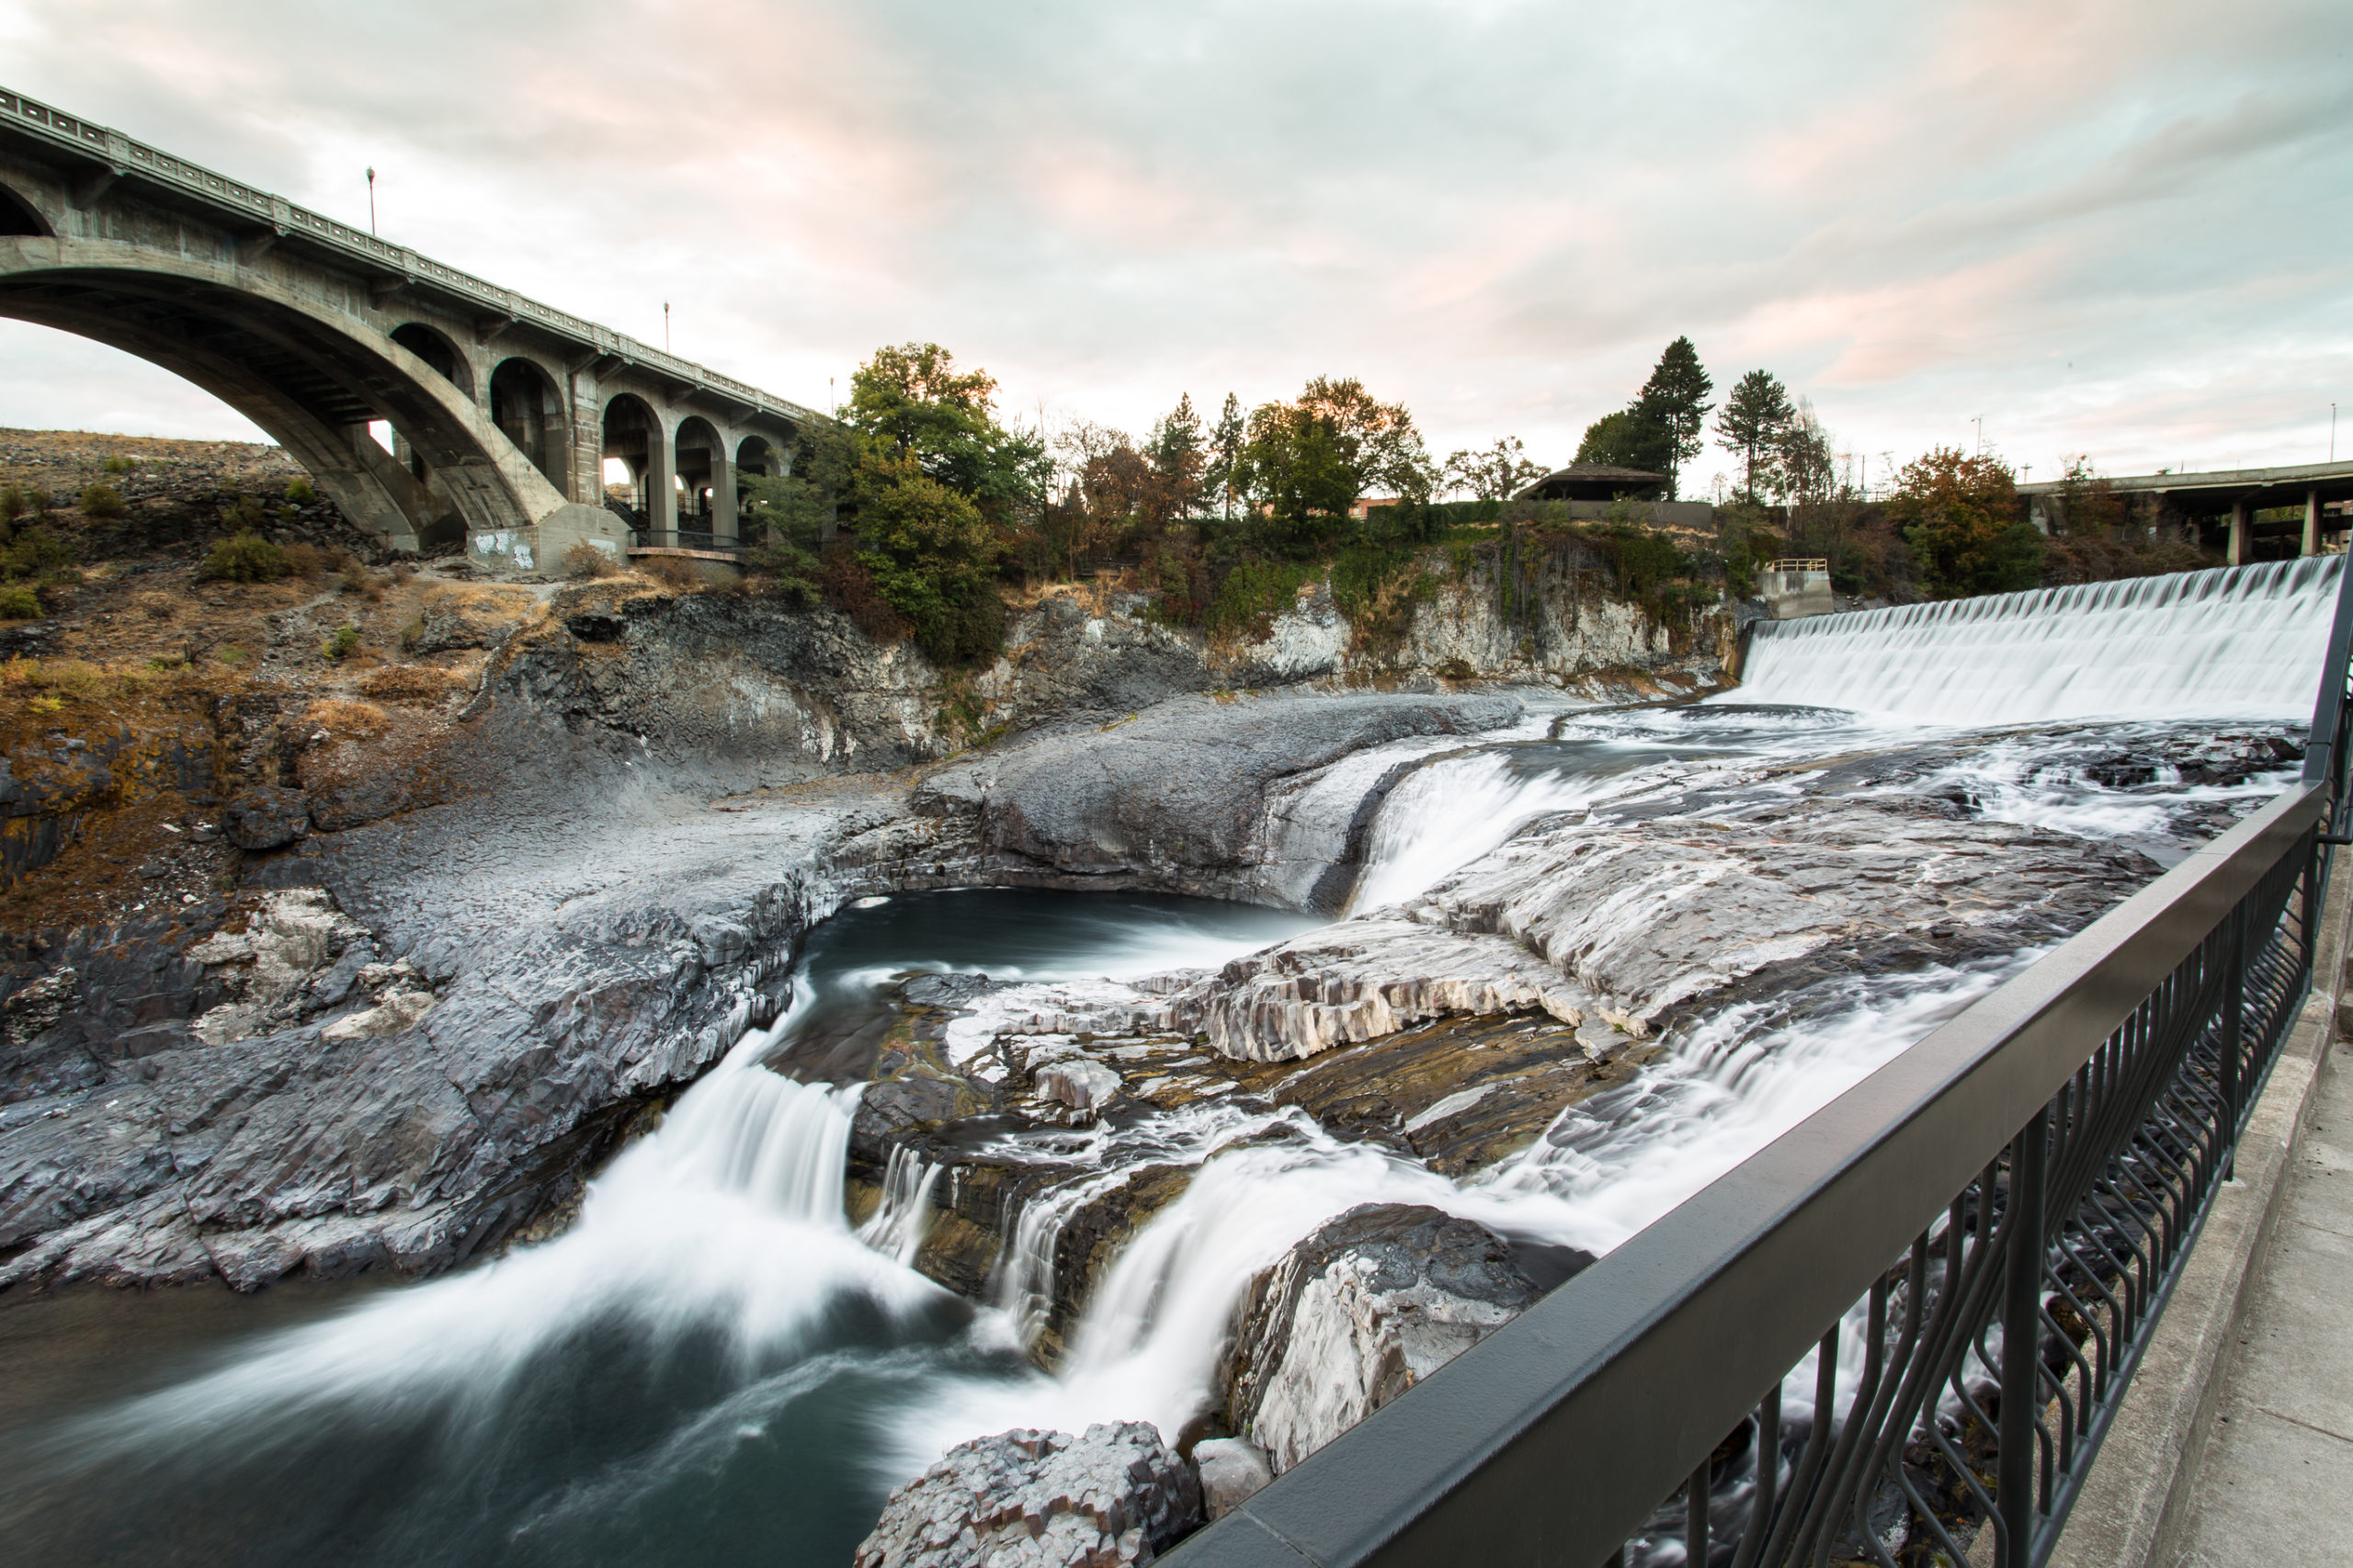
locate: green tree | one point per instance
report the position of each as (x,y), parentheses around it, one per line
(1803,465)
(1492,473)
(1178,453)
(933,556)
(1959,514)
(1628,438)
(1310,461)
(1676,398)
(1751,425)
(1223,456)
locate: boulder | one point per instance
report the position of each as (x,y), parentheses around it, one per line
(1078,1084)
(1369,1305)
(1233,1471)
(1029,1499)
(266,818)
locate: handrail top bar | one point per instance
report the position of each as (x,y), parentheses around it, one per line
(54,130)
(1695,1316)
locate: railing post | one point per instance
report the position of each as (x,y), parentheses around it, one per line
(2234,1030)
(2022,1342)
(1695,1518)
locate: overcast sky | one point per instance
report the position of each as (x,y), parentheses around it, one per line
(2121,229)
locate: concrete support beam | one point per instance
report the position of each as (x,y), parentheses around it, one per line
(661,489)
(2311,522)
(722,492)
(2238,532)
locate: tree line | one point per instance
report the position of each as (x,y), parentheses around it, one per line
(913,507)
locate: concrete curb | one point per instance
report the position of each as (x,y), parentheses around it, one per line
(2133,1503)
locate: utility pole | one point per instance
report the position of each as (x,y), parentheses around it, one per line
(665,326)
(2332,432)
(1980,422)
(371,208)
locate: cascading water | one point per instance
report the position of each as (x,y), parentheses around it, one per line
(2243,642)
(711,1364)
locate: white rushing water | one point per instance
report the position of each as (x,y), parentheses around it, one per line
(2242,643)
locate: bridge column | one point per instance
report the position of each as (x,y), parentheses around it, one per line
(722,492)
(660,488)
(2238,532)
(2311,522)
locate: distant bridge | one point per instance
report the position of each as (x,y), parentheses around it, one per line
(504,410)
(2223,502)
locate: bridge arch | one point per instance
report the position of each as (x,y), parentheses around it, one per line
(311,376)
(527,406)
(703,474)
(435,347)
(19,216)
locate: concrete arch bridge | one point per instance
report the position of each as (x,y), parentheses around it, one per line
(503,411)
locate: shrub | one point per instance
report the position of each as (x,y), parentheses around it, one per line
(18,602)
(299,491)
(102,501)
(244,558)
(584,560)
(35,552)
(675,570)
(14,502)
(158,606)
(343,644)
(244,513)
(118,465)
(1253,594)
(358,579)
(230,655)
(304,561)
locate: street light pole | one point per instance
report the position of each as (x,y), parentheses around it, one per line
(371,203)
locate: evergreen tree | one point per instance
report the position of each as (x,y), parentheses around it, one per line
(1752,424)
(1676,400)
(1176,454)
(1219,477)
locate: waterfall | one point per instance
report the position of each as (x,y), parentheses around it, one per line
(903,1219)
(2245,643)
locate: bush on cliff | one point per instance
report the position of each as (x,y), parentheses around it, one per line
(102,501)
(245,557)
(1959,513)
(18,602)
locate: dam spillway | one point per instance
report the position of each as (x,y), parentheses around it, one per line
(2239,642)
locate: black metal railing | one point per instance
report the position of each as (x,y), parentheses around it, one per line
(1972,1247)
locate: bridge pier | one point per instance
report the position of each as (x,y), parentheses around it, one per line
(2311,522)
(2238,549)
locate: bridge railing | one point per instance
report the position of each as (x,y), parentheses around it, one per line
(685,538)
(1898,1334)
(377,255)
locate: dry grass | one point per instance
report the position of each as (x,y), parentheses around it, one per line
(344,717)
(410,683)
(673,571)
(158,606)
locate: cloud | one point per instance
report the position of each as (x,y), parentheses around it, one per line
(2105,227)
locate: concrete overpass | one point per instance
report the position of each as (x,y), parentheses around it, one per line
(2223,502)
(503,410)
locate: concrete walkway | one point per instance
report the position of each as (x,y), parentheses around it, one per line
(2277,1469)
